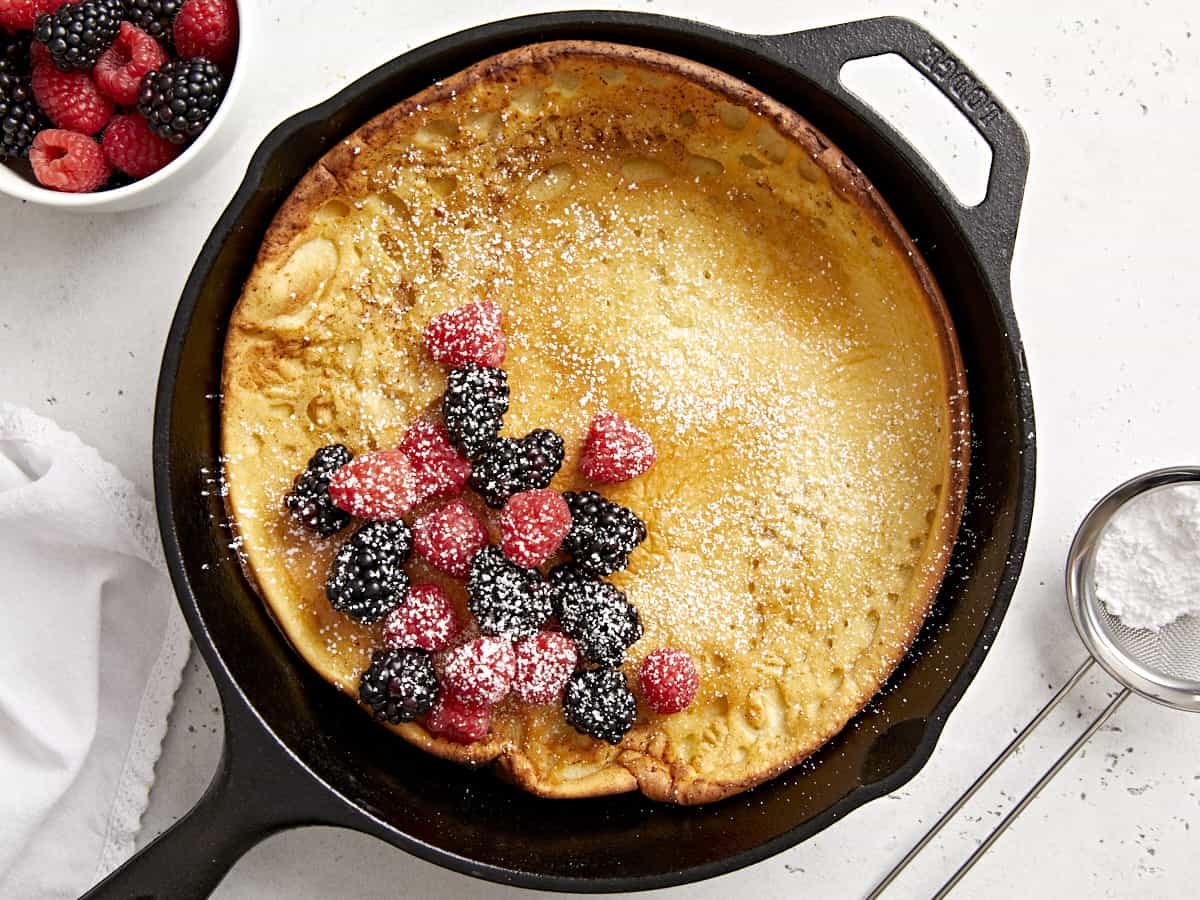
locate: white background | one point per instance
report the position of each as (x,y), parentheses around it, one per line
(1105,282)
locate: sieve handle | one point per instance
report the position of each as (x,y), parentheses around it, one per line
(982,780)
(1033,792)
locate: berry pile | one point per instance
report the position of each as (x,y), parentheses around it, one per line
(542,636)
(99,93)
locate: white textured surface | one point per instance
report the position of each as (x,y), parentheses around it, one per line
(1104,282)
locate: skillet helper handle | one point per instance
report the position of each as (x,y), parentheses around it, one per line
(821,53)
(257,791)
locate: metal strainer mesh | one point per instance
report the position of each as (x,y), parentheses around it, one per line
(1173,651)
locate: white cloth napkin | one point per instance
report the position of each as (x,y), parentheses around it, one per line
(92,648)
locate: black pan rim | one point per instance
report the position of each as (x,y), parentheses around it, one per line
(231,692)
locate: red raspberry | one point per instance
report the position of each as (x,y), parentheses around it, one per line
(70,99)
(615,449)
(479,672)
(119,70)
(441,469)
(380,485)
(544,664)
(533,525)
(447,537)
(39,53)
(470,333)
(207,28)
(668,680)
(427,619)
(68,161)
(130,145)
(21,15)
(457,721)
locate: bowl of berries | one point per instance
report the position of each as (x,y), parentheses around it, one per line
(110,105)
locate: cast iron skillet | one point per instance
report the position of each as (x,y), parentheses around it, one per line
(296,752)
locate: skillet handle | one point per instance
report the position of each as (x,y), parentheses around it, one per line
(257,790)
(821,53)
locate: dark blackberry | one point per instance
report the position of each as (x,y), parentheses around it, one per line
(155,17)
(399,685)
(511,466)
(600,703)
(602,534)
(594,614)
(14,52)
(181,98)
(20,116)
(309,500)
(77,33)
(474,405)
(507,600)
(367,579)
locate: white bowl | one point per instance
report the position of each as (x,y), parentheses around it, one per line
(192,163)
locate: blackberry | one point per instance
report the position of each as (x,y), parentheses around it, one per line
(507,600)
(20,117)
(181,98)
(600,703)
(309,500)
(474,405)
(367,579)
(77,33)
(399,685)
(510,466)
(602,534)
(155,17)
(594,614)
(14,53)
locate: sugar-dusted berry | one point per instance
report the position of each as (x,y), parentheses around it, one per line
(473,406)
(599,703)
(533,526)
(468,334)
(427,619)
(399,685)
(441,469)
(449,536)
(460,722)
(615,449)
(668,680)
(507,600)
(479,672)
(379,486)
(544,662)
(367,579)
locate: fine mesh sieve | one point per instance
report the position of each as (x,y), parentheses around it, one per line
(1163,666)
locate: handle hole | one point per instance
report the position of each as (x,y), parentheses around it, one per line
(928,121)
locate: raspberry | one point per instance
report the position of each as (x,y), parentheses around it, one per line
(19,15)
(71,100)
(668,680)
(426,620)
(441,469)
(469,334)
(615,449)
(507,600)
(130,146)
(449,536)
(68,161)
(510,466)
(207,28)
(367,579)
(473,407)
(534,524)
(399,685)
(457,721)
(544,663)
(479,672)
(599,703)
(119,70)
(377,486)
(39,55)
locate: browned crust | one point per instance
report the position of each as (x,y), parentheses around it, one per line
(634,768)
